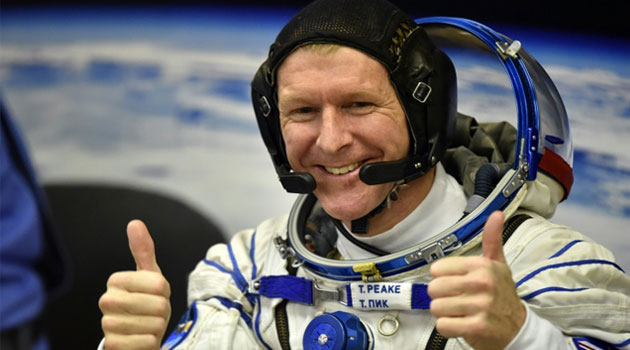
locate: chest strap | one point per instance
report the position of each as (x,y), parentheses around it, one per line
(358,295)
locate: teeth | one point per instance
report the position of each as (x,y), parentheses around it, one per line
(343,170)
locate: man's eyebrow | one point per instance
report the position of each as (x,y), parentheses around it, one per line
(291,99)
(363,93)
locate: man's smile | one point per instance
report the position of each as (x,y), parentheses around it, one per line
(342,170)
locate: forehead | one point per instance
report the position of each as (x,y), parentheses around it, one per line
(328,64)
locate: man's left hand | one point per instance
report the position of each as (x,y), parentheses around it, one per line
(475,297)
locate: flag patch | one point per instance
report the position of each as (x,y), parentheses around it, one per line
(183,328)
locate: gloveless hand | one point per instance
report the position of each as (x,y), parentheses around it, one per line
(136,307)
(475,297)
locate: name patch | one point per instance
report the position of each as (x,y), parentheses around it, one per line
(381,295)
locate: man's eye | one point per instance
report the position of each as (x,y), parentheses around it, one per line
(299,114)
(361,104)
(303,110)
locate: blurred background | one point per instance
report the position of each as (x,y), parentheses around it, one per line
(125,106)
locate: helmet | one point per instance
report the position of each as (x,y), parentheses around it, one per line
(422,75)
(538,177)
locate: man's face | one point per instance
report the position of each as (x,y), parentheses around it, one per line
(339,111)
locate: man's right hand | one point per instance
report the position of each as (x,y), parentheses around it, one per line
(136,307)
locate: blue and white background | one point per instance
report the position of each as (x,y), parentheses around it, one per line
(159,99)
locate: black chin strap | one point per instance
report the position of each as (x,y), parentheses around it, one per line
(369,248)
(360,225)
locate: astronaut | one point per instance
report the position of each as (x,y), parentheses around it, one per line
(417,227)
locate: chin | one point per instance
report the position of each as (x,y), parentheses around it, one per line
(348,208)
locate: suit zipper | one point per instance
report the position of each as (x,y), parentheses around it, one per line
(282,320)
(436,341)
(512,224)
(282,324)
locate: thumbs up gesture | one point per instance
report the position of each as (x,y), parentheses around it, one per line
(136,307)
(474,297)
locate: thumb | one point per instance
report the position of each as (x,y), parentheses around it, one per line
(492,239)
(142,247)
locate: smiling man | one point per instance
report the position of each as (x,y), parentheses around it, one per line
(338,112)
(357,108)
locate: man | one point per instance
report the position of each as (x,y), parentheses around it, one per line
(356,107)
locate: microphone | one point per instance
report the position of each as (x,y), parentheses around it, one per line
(372,174)
(296,182)
(404,169)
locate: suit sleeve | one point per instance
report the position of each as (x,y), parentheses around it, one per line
(573,283)
(222,313)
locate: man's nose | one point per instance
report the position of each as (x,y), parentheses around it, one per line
(335,132)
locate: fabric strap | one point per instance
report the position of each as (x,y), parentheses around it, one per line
(359,295)
(287,287)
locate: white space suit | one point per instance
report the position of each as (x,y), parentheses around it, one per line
(563,277)
(274,287)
